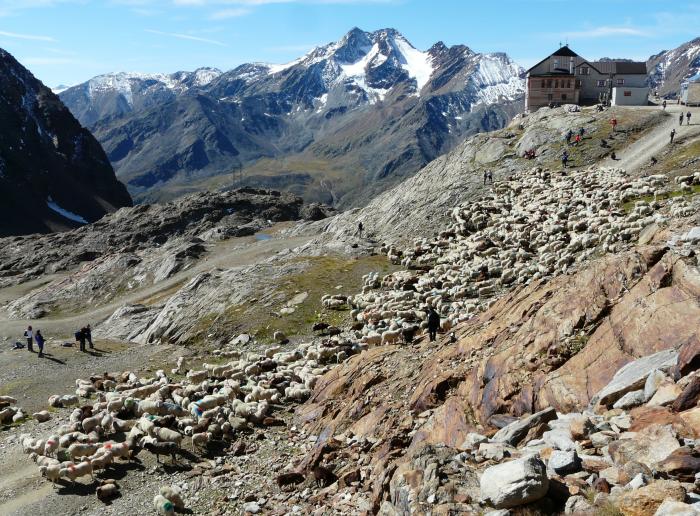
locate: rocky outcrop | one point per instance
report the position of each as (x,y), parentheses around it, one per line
(53,173)
(513,483)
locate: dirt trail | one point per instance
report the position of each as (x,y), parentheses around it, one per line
(236,252)
(638,155)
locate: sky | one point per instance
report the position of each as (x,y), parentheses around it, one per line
(65,42)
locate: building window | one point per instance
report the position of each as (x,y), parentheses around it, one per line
(549,83)
(563,96)
(601,83)
(584,70)
(620,82)
(628,94)
(556,83)
(578,83)
(568,84)
(550,97)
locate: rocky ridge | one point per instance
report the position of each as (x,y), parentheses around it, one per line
(53,173)
(668,69)
(139,246)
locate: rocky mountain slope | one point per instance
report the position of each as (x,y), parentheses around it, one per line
(337,125)
(53,173)
(669,68)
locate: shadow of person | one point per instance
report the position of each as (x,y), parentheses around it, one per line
(49,356)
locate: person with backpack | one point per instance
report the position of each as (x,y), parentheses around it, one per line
(29,335)
(40,343)
(88,332)
(687,116)
(433,323)
(80,338)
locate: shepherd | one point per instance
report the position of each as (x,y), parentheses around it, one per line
(433,323)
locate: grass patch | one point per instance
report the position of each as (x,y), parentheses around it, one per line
(629,205)
(318,276)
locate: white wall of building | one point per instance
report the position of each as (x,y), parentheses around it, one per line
(630,96)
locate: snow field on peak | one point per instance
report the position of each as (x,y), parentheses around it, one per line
(65,213)
(418,64)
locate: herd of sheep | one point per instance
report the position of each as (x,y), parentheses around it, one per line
(533,225)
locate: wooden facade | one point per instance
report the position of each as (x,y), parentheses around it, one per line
(556,90)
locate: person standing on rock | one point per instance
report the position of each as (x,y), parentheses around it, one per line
(40,343)
(29,335)
(88,330)
(673,134)
(433,323)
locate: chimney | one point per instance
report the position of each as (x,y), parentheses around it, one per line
(571,65)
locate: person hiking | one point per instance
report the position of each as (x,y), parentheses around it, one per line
(687,116)
(564,159)
(581,132)
(486,176)
(29,335)
(569,135)
(490,175)
(673,133)
(433,323)
(664,104)
(360,227)
(80,338)
(680,119)
(39,342)
(654,161)
(577,140)
(613,123)
(88,330)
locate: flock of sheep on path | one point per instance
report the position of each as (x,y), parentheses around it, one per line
(531,226)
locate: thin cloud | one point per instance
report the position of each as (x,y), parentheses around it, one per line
(606,32)
(31,37)
(229,13)
(187,37)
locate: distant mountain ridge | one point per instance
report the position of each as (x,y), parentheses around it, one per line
(53,173)
(669,68)
(337,125)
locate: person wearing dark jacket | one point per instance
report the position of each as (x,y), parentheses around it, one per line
(433,323)
(80,337)
(39,342)
(88,336)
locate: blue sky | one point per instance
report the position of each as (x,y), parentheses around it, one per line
(69,41)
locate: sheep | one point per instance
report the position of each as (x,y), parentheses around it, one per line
(51,473)
(165,448)
(51,445)
(163,505)
(200,440)
(174,495)
(101,460)
(81,450)
(165,434)
(73,471)
(107,490)
(42,416)
(390,337)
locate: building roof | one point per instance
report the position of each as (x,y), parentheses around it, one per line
(614,67)
(623,67)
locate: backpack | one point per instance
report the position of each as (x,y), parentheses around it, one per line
(78,335)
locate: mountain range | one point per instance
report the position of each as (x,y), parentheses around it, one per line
(53,173)
(338,125)
(669,68)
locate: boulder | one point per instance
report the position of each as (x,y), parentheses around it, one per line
(633,376)
(692,420)
(578,505)
(559,439)
(514,483)
(649,446)
(689,397)
(688,358)
(630,400)
(515,432)
(580,426)
(564,462)
(646,500)
(652,383)
(674,508)
(664,395)
(682,464)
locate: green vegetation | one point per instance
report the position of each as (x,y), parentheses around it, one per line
(629,205)
(319,276)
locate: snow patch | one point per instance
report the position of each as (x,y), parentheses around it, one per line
(418,64)
(67,214)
